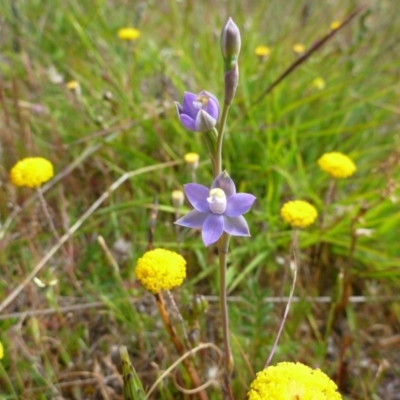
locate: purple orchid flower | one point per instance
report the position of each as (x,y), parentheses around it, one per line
(198,113)
(218,209)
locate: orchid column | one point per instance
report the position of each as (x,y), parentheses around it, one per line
(218,210)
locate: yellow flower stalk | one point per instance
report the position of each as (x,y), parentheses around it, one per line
(299,213)
(160,269)
(336,164)
(262,51)
(31,172)
(292,381)
(128,33)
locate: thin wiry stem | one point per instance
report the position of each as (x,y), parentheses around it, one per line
(294,248)
(179,316)
(223,248)
(220,137)
(47,214)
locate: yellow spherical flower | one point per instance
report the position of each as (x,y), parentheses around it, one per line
(1,351)
(319,83)
(292,381)
(192,160)
(31,172)
(160,269)
(335,25)
(178,198)
(299,213)
(298,48)
(262,51)
(128,34)
(337,164)
(72,85)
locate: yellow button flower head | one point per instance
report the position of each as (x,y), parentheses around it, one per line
(337,164)
(262,51)
(335,25)
(319,83)
(292,381)
(72,85)
(128,34)
(298,48)
(1,351)
(160,269)
(178,198)
(299,213)
(31,172)
(192,159)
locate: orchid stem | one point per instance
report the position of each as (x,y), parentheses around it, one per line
(220,137)
(223,248)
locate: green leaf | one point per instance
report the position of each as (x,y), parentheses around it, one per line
(133,389)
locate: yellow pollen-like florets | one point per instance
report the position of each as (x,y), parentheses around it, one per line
(262,51)
(319,83)
(191,158)
(299,213)
(337,165)
(1,351)
(128,34)
(31,172)
(298,48)
(160,269)
(178,198)
(292,381)
(72,85)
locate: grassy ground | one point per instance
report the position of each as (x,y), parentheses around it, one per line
(61,340)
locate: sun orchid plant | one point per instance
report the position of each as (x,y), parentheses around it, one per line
(218,212)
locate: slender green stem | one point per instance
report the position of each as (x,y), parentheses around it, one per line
(210,138)
(220,137)
(293,265)
(223,248)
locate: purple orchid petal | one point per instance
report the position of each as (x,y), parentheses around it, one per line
(193,219)
(210,95)
(224,182)
(236,226)
(197,196)
(212,107)
(188,122)
(204,121)
(179,109)
(188,106)
(239,204)
(212,228)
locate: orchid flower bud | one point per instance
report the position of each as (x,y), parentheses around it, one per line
(230,43)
